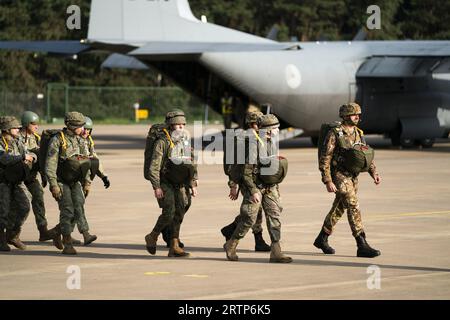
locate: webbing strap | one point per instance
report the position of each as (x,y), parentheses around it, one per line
(91,141)
(64,142)
(6,144)
(168,137)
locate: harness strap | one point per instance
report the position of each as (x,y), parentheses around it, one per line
(6,143)
(63,138)
(168,137)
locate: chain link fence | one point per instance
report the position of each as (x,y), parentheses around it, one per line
(105,104)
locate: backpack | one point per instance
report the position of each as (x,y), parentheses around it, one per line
(356,158)
(324,129)
(278,176)
(156,132)
(235,170)
(46,136)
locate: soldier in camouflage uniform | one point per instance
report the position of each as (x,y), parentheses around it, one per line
(256,194)
(173,199)
(251,120)
(14,197)
(31,139)
(82,223)
(343,183)
(64,146)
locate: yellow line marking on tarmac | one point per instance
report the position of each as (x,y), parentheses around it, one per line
(405,214)
(157,273)
(196,275)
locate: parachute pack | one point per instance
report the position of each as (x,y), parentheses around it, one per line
(179,169)
(356,158)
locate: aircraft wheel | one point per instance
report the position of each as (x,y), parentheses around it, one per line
(407,142)
(426,143)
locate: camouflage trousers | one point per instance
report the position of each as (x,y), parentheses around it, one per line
(257,227)
(71,206)
(174,205)
(345,199)
(14,206)
(37,201)
(82,223)
(249,213)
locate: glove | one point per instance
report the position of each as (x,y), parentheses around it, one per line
(106,182)
(56,192)
(43,182)
(86,189)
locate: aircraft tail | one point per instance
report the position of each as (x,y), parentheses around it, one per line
(142,21)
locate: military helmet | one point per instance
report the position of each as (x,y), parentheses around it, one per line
(74,119)
(89,123)
(29,117)
(252,117)
(175,116)
(349,109)
(9,122)
(268,121)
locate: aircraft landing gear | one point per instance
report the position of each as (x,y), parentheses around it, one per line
(315,141)
(426,143)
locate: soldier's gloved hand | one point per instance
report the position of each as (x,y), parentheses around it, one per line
(44,182)
(56,192)
(86,189)
(106,182)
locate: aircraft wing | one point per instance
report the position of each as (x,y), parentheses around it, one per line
(58,46)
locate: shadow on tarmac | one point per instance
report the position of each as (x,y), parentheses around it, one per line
(146,256)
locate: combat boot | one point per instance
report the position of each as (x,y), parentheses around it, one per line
(75,242)
(13,238)
(44,234)
(166,235)
(230,249)
(364,250)
(150,241)
(3,245)
(276,255)
(68,246)
(176,250)
(56,232)
(321,242)
(260,244)
(88,238)
(228,230)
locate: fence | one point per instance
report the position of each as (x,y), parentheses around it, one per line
(104,104)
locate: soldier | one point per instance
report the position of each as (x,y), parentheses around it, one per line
(251,122)
(31,139)
(15,163)
(341,179)
(261,190)
(67,170)
(82,224)
(227,109)
(170,183)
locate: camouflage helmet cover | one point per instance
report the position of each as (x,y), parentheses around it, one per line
(9,122)
(74,119)
(268,121)
(89,123)
(175,116)
(29,117)
(252,117)
(349,109)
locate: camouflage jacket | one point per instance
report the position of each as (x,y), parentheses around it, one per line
(90,146)
(31,141)
(11,151)
(160,156)
(251,167)
(332,153)
(60,149)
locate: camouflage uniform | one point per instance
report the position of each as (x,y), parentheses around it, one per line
(31,141)
(177,198)
(345,182)
(71,202)
(14,199)
(270,197)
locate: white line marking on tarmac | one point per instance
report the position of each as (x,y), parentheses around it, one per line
(253,293)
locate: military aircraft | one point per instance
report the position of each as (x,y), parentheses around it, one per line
(403,86)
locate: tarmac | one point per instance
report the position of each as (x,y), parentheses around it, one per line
(407,218)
